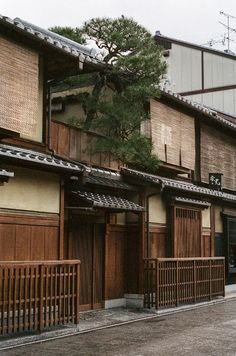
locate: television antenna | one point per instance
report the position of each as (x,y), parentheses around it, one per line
(228,27)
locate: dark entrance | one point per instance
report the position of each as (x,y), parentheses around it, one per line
(230,247)
(86,242)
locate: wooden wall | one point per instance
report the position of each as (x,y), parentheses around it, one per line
(115,256)
(26,237)
(218,154)
(73,143)
(158,240)
(133,263)
(206,245)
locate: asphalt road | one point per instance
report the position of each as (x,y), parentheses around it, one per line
(205,331)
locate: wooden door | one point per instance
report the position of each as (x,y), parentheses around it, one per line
(186,232)
(87,244)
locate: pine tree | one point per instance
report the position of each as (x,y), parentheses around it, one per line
(133,66)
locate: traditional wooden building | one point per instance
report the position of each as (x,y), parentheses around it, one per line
(60,204)
(183,214)
(55,209)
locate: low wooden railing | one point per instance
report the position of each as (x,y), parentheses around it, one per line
(36,295)
(171,282)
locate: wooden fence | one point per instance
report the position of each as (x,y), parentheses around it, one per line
(37,295)
(170,282)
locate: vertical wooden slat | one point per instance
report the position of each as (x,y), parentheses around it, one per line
(55,296)
(35,296)
(68,294)
(73,294)
(9,301)
(41,319)
(3,298)
(46,296)
(51,296)
(64,294)
(30,297)
(14,322)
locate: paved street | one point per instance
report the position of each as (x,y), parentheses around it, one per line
(205,331)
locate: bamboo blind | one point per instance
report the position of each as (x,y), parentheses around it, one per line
(218,154)
(19,88)
(173,135)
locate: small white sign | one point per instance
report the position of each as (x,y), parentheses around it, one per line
(166,134)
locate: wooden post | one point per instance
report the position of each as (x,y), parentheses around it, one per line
(77,293)
(157,283)
(210,282)
(141,245)
(212,223)
(224,278)
(62,218)
(195,281)
(177,283)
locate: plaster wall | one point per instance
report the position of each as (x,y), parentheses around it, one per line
(31,190)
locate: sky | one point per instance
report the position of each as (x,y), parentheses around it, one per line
(194,21)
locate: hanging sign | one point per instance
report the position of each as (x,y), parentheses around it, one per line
(215,181)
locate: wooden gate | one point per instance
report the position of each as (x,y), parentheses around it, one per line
(87,241)
(186,232)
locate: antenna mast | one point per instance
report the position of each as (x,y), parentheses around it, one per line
(229,29)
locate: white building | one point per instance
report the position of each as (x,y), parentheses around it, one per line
(205,75)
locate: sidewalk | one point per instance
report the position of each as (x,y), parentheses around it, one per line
(101,319)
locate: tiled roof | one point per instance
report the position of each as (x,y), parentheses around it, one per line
(178,185)
(192,201)
(52,39)
(107,201)
(6,174)
(108,182)
(212,114)
(23,155)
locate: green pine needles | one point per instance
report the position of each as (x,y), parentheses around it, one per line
(119,101)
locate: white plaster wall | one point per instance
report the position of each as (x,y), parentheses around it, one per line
(218,70)
(157,210)
(206,222)
(31,190)
(218,219)
(184,68)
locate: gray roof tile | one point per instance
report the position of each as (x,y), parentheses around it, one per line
(107,201)
(84,53)
(178,185)
(23,155)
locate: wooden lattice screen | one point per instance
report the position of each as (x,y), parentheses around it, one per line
(19,88)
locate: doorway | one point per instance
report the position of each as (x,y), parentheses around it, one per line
(86,243)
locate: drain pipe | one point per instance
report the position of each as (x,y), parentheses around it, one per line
(147,219)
